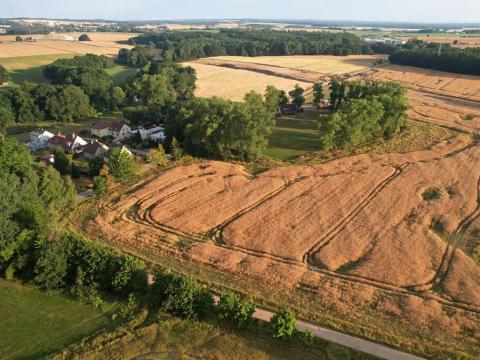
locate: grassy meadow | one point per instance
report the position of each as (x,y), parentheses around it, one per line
(294,136)
(35,324)
(30,68)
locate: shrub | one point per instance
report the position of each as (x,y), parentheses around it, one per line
(307,337)
(432,194)
(283,324)
(181,295)
(239,311)
(337,352)
(84,37)
(157,156)
(130,309)
(87,295)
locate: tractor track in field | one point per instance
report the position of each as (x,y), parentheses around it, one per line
(215,235)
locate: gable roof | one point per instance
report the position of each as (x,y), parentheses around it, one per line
(117,126)
(100,126)
(93,146)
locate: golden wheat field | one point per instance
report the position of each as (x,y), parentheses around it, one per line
(233,84)
(328,65)
(358,227)
(467,86)
(101,44)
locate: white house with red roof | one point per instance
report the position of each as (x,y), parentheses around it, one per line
(72,143)
(117,130)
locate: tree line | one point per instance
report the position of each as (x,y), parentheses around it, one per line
(363,112)
(189,45)
(430,56)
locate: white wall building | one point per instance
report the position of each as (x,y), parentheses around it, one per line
(39,139)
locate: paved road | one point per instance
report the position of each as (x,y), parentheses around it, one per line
(368,347)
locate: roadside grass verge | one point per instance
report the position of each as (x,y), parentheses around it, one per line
(162,336)
(35,324)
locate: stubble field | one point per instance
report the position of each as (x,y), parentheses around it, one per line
(233,84)
(360,222)
(101,44)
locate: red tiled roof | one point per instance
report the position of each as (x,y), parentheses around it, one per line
(116,126)
(93,146)
(100,126)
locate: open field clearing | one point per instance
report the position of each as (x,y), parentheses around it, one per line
(328,65)
(35,324)
(233,84)
(30,68)
(463,86)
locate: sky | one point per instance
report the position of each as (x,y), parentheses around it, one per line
(367,10)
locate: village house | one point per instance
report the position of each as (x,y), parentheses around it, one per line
(94,149)
(39,139)
(154,132)
(117,130)
(72,143)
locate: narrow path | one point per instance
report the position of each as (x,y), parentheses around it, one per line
(355,343)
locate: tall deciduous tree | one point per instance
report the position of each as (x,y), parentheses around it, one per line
(123,166)
(297,96)
(4,75)
(317,93)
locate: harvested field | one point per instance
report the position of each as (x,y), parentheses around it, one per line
(462,86)
(353,216)
(101,44)
(328,65)
(355,228)
(233,84)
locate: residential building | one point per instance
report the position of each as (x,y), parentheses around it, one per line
(153,132)
(72,143)
(95,149)
(100,130)
(117,130)
(39,139)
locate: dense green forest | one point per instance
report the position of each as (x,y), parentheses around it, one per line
(188,45)
(438,57)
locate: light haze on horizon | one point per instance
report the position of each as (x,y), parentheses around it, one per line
(359,10)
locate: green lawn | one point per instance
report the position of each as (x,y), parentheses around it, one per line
(30,68)
(294,136)
(34,324)
(120,73)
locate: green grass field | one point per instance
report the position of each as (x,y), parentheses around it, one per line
(34,324)
(294,136)
(30,68)
(120,74)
